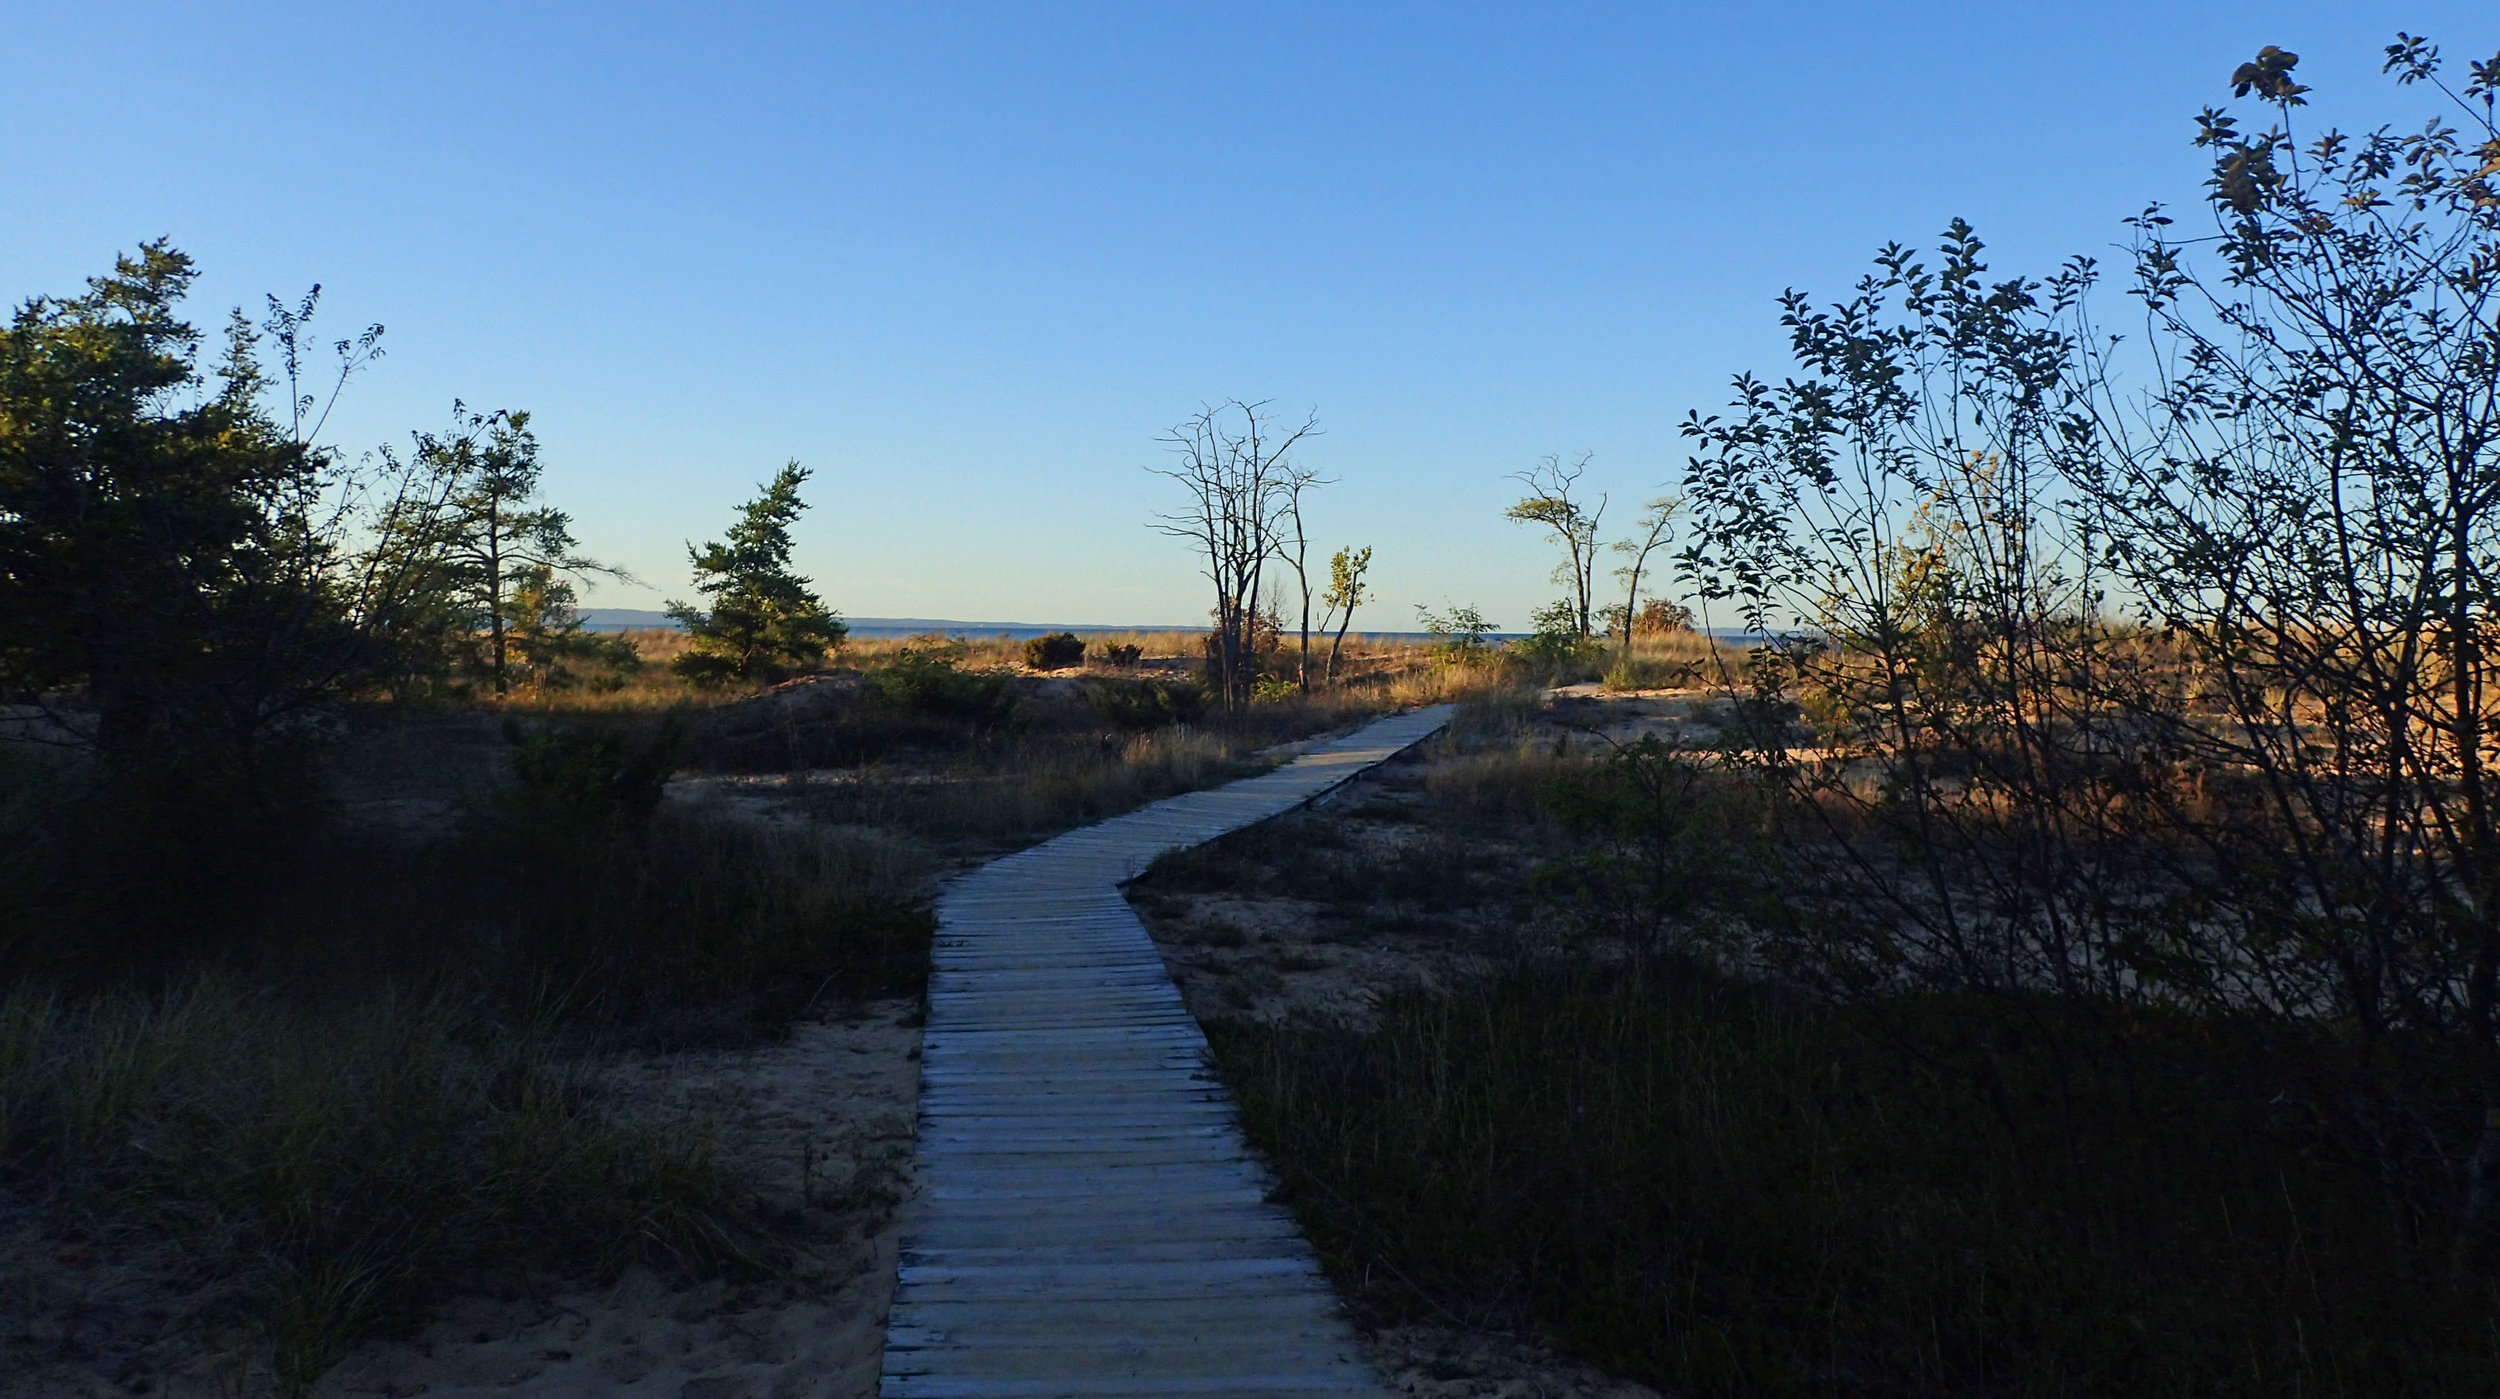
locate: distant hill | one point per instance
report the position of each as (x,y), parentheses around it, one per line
(624,619)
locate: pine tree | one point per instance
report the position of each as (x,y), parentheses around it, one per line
(763,622)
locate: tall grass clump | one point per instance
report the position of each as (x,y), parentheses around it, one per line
(1721,1191)
(699,913)
(1668,660)
(332,1170)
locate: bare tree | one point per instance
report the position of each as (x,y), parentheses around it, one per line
(1296,553)
(1236,465)
(1550,503)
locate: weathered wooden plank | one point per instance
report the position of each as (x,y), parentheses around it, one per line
(1056,1098)
(964,1318)
(1047,1116)
(1177,1188)
(1275,1244)
(947,1078)
(1205,1355)
(948,1387)
(1059,1275)
(1248,1386)
(1073,1151)
(1050,1329)
(1135,1224)
(952,1136)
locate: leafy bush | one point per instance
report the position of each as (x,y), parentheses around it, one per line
(575,879)
(933,681)
(1122,653)
(380,1097)
(1459,638)
(592,774)
(1147,704)
(116,871)
(1057,651)
(1556,650)
(1659,617)
(1553,653)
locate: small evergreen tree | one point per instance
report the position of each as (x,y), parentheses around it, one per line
(478,536)
(763,622)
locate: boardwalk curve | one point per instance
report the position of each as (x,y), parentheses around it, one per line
(1091,1222)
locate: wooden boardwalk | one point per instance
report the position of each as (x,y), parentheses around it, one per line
(1091,1222)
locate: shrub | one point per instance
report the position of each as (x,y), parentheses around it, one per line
(1658,838)
(1041,784)
(1556,650)
(1122,653)
(1554,654)
(1459,638)
(381,1097)
(933,681)
(592,774)
(110,870)
(1057,651)
(1659,617)
(1147,704)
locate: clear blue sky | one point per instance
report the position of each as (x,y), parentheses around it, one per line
(967,261)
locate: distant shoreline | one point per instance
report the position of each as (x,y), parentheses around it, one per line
(634,619)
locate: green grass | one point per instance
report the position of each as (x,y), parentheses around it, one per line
(1720,1192)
